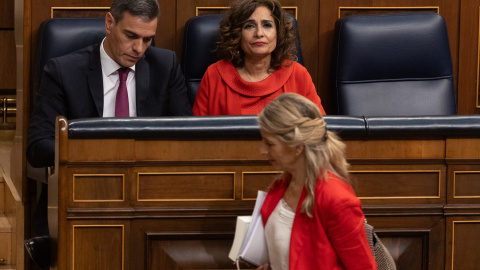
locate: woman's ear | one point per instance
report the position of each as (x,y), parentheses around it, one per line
(299,149)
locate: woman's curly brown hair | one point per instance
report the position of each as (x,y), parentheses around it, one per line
(228,45)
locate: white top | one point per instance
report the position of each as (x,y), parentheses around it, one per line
(111,82)
(277,232)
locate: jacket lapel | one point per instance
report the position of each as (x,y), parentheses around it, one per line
(95,79)
(142,82)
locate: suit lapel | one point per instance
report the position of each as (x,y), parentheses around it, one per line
(142,83)
(95,79)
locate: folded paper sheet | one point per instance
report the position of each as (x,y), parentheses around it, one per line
(249,244)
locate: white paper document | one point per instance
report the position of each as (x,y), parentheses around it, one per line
(249,244)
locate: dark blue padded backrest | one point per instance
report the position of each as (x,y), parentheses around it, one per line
(199,43)
(60,36)
(393,65)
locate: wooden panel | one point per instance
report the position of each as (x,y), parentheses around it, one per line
(229,174)
(98,187)
(396,149)
(6,15)
(400,184)
(209,250)
(210,10)
(221,10)
(186,186)
(189,251)
(462,246)
(64,12)
(353,11)
(409,249)
(199,150)
(415,242)
(463,148)
(99,247)
(96,150)
(254,181)
(397,184)
(469,58)
(6,246)
(165,36)
(157,240)
(308,19)
(8,63)
(466,184)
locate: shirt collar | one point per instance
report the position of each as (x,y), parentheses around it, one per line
(109,66)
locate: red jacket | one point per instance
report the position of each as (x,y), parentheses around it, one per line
(335,237)
(223,92)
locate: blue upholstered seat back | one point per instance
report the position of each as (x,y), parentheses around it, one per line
(60,36)
(393,65)
(199,43)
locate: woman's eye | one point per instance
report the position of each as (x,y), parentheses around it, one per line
(248,26)
(267,25)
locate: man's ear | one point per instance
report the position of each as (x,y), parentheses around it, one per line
(109,22)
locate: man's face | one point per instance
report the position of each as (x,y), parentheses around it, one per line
(128,39)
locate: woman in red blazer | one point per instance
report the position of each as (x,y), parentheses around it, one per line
(312,218)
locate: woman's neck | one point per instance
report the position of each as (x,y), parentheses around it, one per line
(255,70)
(298,179)
(294,191)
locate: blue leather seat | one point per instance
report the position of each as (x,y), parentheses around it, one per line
(199,44)
(60,36)
(393,65)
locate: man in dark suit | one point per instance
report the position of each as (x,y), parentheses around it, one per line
(84,84)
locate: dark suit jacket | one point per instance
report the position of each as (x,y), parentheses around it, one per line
(72,86)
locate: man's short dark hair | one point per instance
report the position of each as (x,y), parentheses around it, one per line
(145,9)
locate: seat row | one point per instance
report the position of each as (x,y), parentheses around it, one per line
(383,66)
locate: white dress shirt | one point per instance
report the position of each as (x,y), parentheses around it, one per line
(111,82)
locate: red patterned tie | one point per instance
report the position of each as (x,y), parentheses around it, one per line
(121,102)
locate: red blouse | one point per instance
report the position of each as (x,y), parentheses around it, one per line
(223,92)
